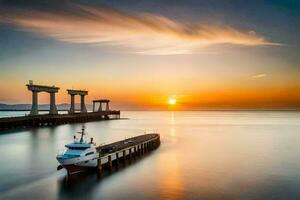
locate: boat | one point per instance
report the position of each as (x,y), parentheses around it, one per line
(78,155)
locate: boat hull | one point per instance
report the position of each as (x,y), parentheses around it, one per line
(79,163)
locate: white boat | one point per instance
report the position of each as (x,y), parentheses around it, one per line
(79,155)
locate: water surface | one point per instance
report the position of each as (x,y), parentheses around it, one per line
(203,155)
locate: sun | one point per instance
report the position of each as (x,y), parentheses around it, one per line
(172,101)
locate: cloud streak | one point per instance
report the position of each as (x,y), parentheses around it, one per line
(141,33)
(256,76)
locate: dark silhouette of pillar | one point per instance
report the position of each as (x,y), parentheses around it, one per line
(83,108)
(53,109)
(34,107)
(72,106)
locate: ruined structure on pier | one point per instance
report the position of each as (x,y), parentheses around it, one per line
(35,89)
(82,94)
(101,101)
(54,118)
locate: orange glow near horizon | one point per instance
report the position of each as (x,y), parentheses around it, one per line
(156,98)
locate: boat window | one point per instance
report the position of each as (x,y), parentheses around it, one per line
(90,153)
(78,148)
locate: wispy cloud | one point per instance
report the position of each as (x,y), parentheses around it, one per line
(140,32)
(259,76)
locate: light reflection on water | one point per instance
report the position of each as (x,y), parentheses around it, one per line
(203,155)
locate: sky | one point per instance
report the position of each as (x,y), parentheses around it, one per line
(205,54)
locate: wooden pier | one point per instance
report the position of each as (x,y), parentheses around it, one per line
(114,154)
(9,123)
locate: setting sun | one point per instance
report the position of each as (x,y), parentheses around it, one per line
(172,101)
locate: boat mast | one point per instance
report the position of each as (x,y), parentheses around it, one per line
(82,133)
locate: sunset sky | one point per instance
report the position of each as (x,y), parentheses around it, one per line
(208,54)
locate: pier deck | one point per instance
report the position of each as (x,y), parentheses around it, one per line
(127,143)
(113,154)
(51,120)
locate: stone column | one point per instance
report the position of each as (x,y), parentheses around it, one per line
(83,108)
(72,106)
(53,109)
(107,106)
(34,107)
(100,107)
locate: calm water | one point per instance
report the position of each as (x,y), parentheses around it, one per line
(203,155)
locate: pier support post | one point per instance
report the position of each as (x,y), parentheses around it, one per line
(117,158)
(134,151)
(53,109)
(34,107)
(72,106)
(83,108)
(107,106)
(130,152)
(124,156)
(142,149)
(100,107)
(99,165)
(109,162)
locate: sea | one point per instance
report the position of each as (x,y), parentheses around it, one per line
(210,155)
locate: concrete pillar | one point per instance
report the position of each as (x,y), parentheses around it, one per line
(53,109)
(130,153)
(34,107)
(100,107)
(124,156)
(83,108)
(117,158)
(135,151)
(72,106)
(139,150)
(109,162)
(93,106)
(99,166)
(142,149)
(107,106)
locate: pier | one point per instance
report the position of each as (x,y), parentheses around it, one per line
(114,154)
(34,119)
